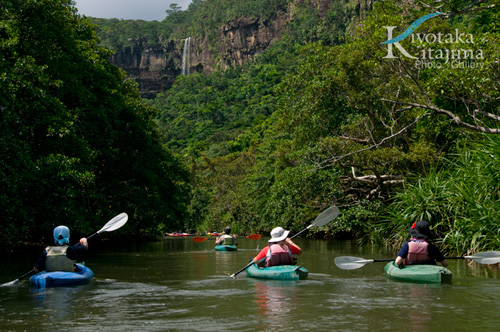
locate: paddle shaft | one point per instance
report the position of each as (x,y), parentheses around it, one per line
(243,269)
(25,275)
(390,260)
(351,263)
(302,231)
(92,235)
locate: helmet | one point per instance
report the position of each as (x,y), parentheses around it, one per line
(227,230)
(61,235)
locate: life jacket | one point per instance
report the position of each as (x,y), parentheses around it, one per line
(279,255)
(418,252)
(227,239)
(57,260)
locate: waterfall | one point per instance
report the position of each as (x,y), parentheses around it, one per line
(186,56)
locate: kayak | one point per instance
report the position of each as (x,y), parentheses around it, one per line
(225,247)
(43,279)
(418,273)
(281,272)
(178,234)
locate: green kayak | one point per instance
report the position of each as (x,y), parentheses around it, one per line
(281,272)
(225,247)
(429,274)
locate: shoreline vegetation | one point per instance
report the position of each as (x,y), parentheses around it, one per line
(321,118)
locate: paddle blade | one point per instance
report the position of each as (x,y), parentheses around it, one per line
(14,282)
(351,263)
(8,284)
(253,236)
(326,216)
(199,239)
(487,257)
(114,223)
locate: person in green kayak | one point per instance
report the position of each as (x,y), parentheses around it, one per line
(226,238)
(418,250)
(62,256)
(280,249)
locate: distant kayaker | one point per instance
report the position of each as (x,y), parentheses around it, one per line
(418,250)
(227,238)
(280,249)
(62,256)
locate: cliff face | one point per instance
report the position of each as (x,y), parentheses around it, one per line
(155,68)
(238,42)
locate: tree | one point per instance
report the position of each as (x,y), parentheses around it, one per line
(78,144)
(174,8)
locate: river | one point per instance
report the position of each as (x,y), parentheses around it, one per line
(178,285)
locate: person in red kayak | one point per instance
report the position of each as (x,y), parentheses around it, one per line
(418,250)
(62,256)
(227,238)
(279,251)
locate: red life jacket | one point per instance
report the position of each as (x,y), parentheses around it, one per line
(279,255)
(418,251)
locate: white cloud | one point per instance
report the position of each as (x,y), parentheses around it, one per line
(147,10)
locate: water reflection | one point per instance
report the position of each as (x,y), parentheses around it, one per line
(420,300)
(275,300)
(58,304)
(225,262)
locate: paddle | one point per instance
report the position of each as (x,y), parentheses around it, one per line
(199,239)
(112,225)
(352,263)
(324,218)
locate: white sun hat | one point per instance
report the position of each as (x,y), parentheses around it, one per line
(278,234)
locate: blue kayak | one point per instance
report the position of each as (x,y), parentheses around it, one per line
(81,276)
(280,272)
(225,247)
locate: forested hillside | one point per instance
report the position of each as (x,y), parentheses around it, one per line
(312,123)
(328,115)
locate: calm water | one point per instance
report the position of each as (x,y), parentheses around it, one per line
(178,285)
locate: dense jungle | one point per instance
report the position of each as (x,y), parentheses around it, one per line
(327,115)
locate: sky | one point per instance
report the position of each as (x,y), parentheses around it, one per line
(147,10)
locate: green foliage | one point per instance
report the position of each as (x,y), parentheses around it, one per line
(209,112)
(77,145)
(336,122)
(460,199)
(311,26)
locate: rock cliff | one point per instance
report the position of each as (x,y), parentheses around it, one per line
(155,68)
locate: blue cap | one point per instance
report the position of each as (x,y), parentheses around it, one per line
(61,235)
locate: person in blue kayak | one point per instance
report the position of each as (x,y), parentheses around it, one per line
(279,251)
(418,250)
(61,256)
(226,238)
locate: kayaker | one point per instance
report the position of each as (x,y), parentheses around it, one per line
(227,238)
(418,250)
(62,256)
(279,251)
